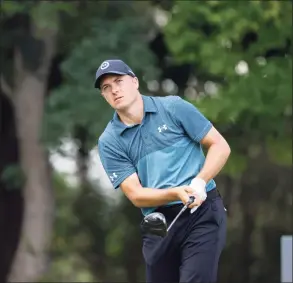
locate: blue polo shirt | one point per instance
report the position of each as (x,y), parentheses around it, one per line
(164,150)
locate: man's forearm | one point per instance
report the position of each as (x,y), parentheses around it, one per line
(216,158)
(149,197)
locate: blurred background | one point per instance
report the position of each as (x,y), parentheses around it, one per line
(60,219)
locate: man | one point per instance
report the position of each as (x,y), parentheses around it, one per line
(152,150)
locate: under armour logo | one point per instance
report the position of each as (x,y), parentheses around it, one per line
(105,65)
(113,177)
(163,128)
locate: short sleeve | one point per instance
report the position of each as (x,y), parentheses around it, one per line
(115,163)
(195,124)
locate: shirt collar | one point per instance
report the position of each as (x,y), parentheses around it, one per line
(149,107)
(149,104)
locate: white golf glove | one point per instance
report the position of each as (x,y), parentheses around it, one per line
(199,187)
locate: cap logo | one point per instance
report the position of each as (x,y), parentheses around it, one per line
(105,65)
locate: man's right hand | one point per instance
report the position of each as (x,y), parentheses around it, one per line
(151,197)
(184,192)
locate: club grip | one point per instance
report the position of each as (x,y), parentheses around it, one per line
(191,199)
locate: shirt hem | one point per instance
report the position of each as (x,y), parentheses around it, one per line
(117,184)
(206,129)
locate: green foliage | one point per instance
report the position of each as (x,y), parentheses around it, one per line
(65,220)
(216,36)
(235,165)
(114,242)
(10,8)
(253,110)
(77,102)
(280,151)
(13,177)
(85,220)
(68,239)
(70,268)
(90,234)
(93,237)
(46,15)
(23,26)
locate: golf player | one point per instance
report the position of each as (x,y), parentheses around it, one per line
(152,150)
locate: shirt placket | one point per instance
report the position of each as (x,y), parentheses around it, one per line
(145,135)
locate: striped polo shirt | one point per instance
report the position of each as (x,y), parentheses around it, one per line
(164,149)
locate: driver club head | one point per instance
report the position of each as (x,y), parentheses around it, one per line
(155,223)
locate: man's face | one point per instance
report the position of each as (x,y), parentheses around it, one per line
(119,91)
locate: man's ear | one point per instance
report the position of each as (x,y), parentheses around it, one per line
(136,81)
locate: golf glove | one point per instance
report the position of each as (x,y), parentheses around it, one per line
(199,187)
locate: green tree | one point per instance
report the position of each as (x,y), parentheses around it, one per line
(216,36)
(112,30)
(244,47)
(24,74)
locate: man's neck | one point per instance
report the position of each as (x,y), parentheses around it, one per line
(134,114)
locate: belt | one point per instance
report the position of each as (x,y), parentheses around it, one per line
(165,209)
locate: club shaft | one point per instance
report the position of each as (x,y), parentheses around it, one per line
(191,200)
(177,216)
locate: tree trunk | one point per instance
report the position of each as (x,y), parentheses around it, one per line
(28,95)
(11,202)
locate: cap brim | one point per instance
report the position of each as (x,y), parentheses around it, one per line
(97,82)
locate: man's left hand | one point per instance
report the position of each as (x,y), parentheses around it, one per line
(199,188)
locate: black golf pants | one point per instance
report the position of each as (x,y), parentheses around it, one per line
(191,250)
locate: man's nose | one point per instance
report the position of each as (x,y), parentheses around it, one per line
(115,89)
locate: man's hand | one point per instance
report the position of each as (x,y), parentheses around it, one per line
(199,188)
(184,192)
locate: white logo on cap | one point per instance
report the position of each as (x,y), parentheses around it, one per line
(105,65)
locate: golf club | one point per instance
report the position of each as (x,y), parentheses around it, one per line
(155,223)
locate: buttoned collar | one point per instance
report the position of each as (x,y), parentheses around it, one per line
(149,107)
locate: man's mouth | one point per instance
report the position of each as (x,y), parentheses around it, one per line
(116,99)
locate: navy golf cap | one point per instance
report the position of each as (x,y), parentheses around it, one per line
(116,66)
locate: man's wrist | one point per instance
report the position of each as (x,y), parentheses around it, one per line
(198,181)
(202,177)
(199,187)
(174,194)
